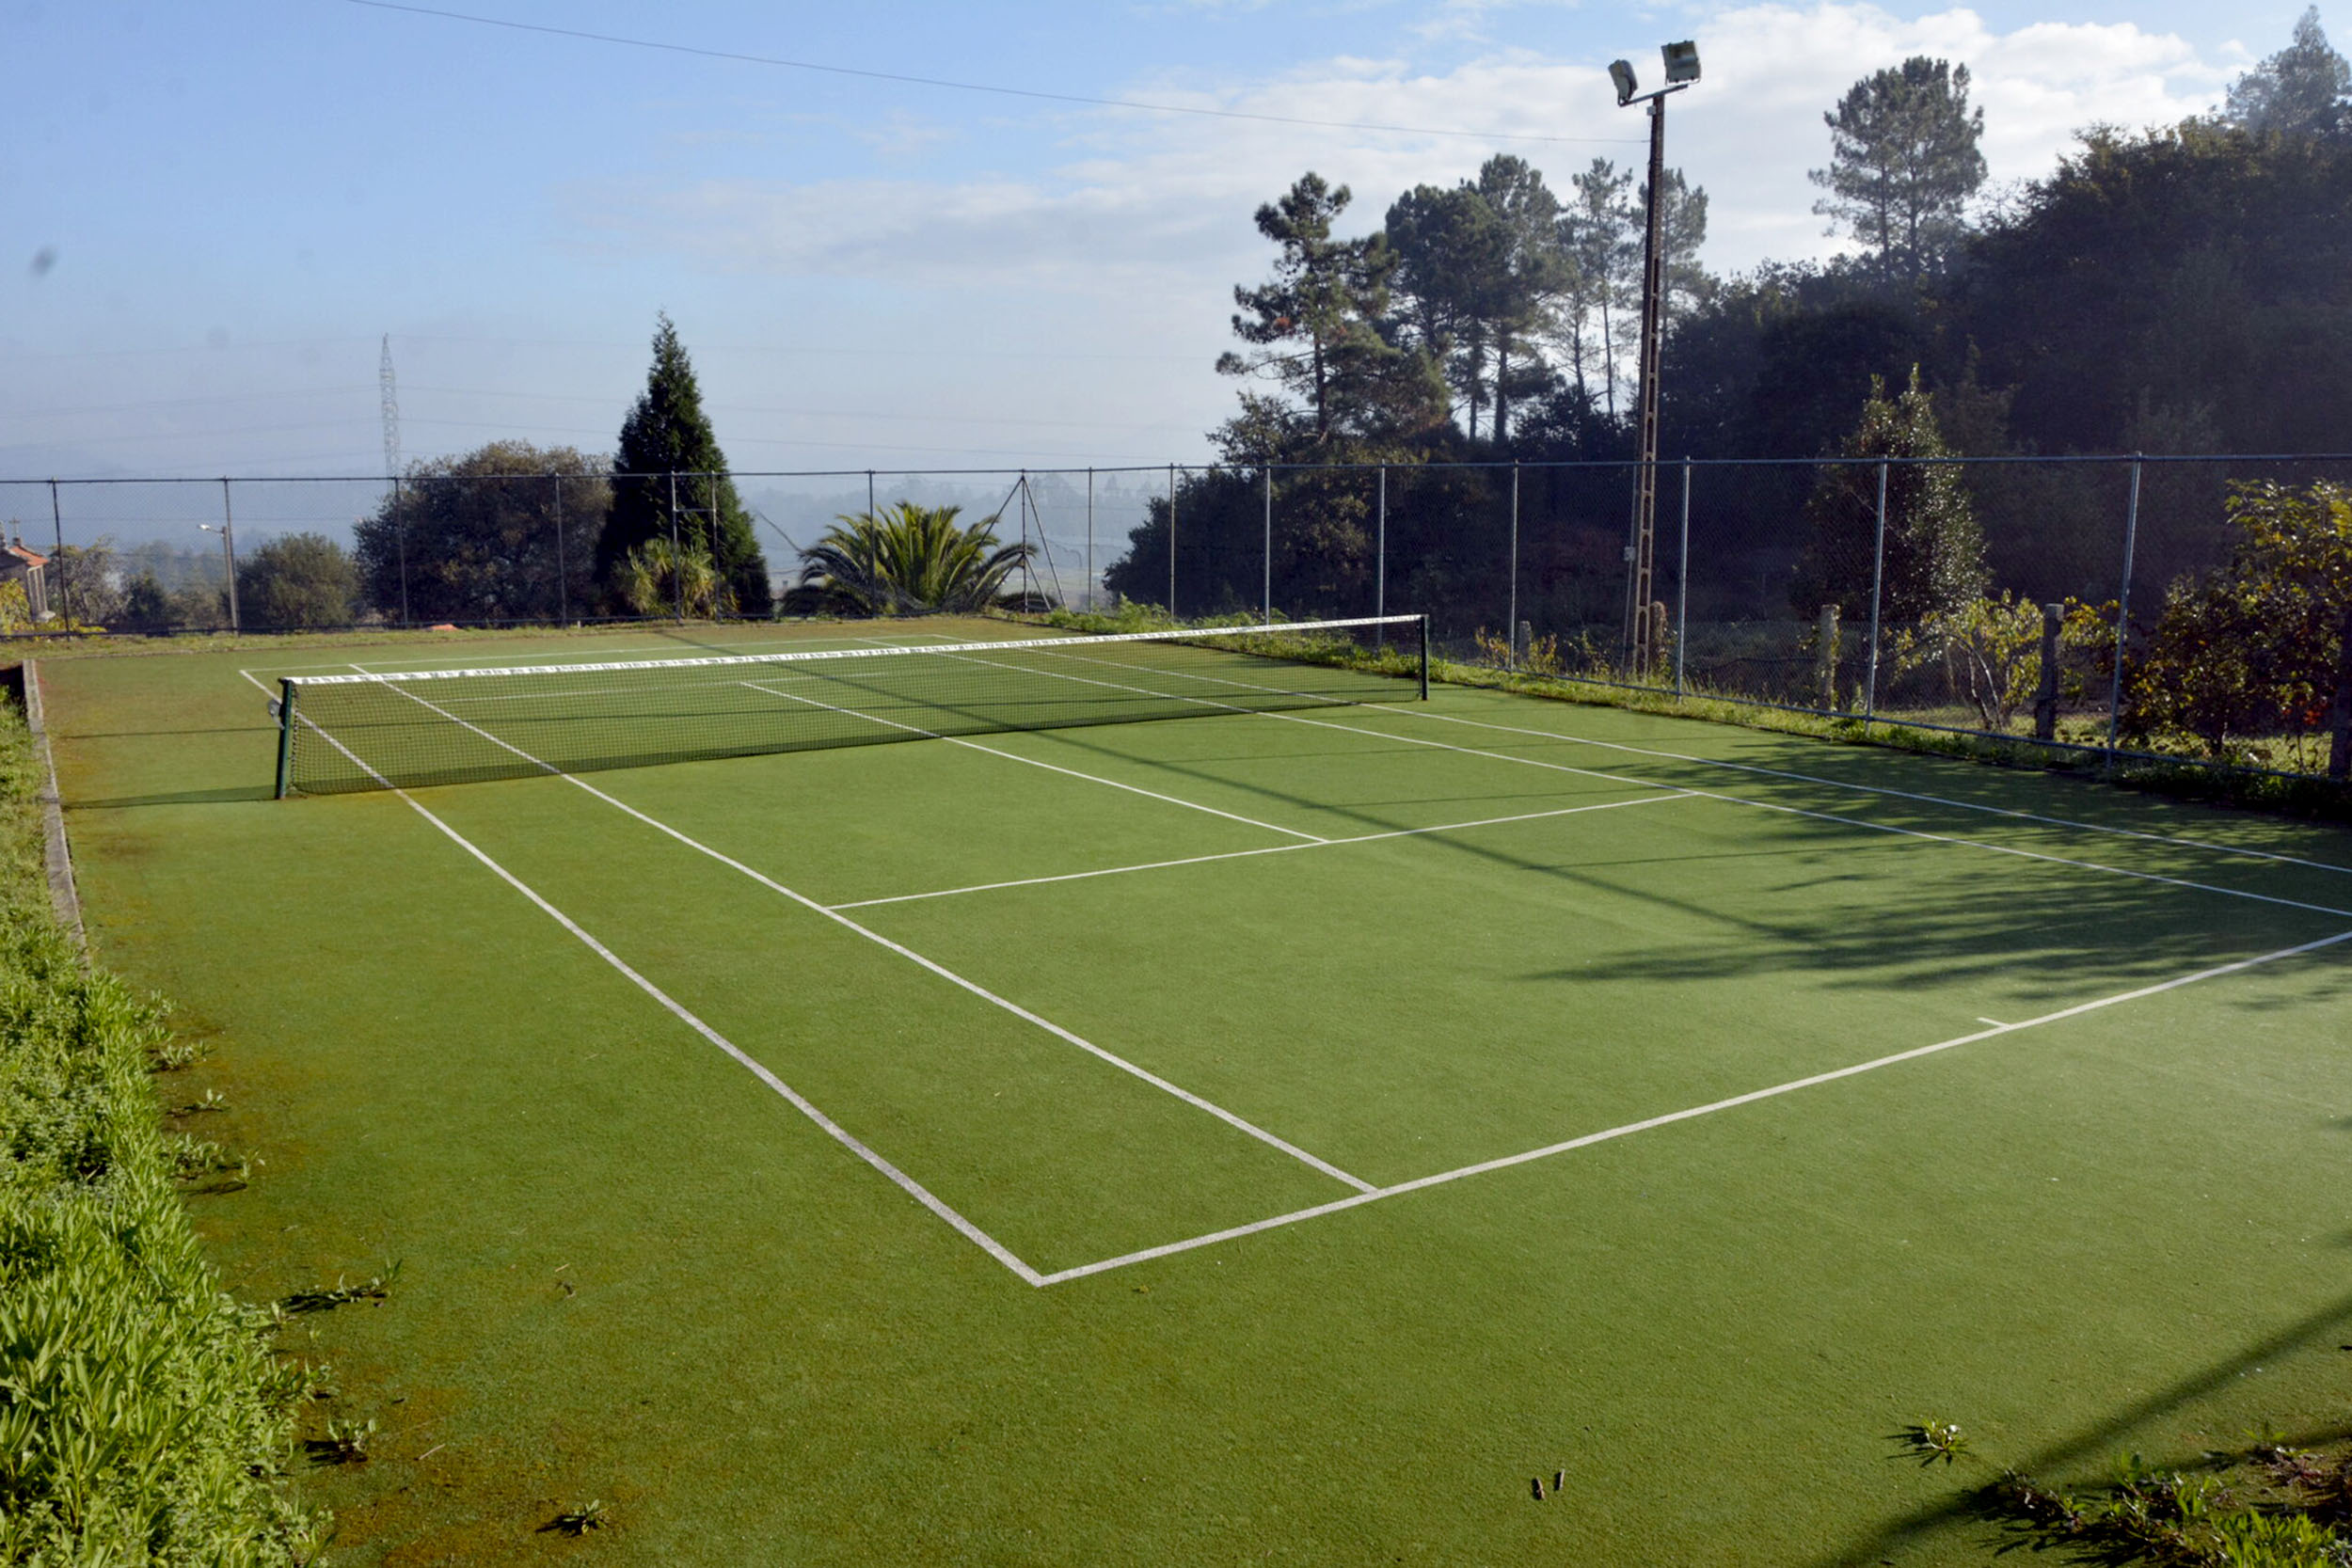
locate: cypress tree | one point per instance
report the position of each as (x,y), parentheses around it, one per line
(1934,550)
(667,434)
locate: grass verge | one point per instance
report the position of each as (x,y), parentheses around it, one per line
(2187,779)
(143,1417)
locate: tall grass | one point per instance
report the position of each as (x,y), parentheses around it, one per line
(143,1419)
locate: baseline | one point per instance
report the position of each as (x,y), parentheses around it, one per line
(1649,1123)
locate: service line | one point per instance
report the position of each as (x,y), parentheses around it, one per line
(1650,1123)
(975,987)
(1269,849)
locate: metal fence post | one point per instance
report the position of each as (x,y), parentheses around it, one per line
(1511,606)
(400,544)
(563,573)
(2123,614)
(1268,474)
(1380,551)
(1171,541)
(1878,584)
(1090,539)
(229,548)
(65,595)
(1682,581)
(678,558)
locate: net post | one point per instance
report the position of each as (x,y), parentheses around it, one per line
(1424,657)
(285,737)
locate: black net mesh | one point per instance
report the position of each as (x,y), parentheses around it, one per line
(436,728)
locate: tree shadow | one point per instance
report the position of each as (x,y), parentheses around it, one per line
(2329,1324)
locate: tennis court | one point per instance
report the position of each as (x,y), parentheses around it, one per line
(1425,1094)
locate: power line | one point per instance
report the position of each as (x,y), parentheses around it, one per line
(978,87)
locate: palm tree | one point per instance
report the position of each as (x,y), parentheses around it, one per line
(654,580)
(908,560)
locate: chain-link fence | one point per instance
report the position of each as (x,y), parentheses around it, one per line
(2023,597)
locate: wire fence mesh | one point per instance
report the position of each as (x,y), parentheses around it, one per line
(1907,588)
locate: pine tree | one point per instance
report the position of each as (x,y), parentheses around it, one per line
(1903,164)
(2301,90)
(668,445)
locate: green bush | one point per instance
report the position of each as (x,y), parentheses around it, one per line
(143,1418)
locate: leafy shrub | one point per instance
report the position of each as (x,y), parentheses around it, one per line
(2254,648)
(142,1415)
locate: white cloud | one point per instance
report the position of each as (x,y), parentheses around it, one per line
(1163,201)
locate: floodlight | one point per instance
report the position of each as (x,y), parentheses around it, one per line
(1621,72)
(1682,61)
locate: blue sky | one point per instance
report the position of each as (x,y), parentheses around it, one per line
(237,199)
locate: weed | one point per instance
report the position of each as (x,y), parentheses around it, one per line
(192,1159)
(343,1293)
(345,1443)
(1932,1442)
(578,1521)
(2267,1506)
(172,1054)
(211,1100)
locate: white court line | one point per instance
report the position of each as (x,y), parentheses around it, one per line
(840,1135)
(912,957)
(1733,799)
(1417,711)
(1365,1193)
(585,655)
(1269,849)
(1649,1123)
(1033,762)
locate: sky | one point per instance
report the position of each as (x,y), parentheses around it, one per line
(212,215)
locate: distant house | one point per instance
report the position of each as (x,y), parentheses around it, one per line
(30,567)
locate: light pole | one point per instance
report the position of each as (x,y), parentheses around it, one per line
(1682,68)
(227,532)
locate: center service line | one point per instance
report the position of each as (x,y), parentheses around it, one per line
(940,970)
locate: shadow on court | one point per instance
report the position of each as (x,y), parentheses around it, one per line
(174,798)
(2329,1324)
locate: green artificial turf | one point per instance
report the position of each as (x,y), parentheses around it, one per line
(633,1273)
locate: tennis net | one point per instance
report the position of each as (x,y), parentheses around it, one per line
(364,731)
